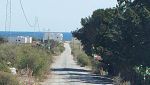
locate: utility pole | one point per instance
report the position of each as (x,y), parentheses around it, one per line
(8,15)
(73,42)
(48,39)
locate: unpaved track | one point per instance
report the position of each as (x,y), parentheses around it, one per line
(66,72)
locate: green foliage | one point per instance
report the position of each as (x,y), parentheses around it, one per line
(25,56)
(35,59)
(83,60)
(61,47)
(7,54)
(144,71)
(121,36)
(58,48)
(80,56)
(4,68)
(8,79)
(96,67)
(54,47)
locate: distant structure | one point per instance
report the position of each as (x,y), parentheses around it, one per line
(20,40)
(53,36)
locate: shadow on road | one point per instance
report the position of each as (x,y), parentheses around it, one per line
(70,69)
(81,75)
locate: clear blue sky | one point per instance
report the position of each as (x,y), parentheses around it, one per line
(56,15)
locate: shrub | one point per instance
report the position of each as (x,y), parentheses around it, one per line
(8,79)
(83,59)
(7,54)
(58,48)
(4,68)
(35,59)
(80,56)
(61,48)
(96,67)
(22,56)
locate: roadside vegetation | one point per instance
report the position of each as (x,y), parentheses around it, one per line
(121,36)
(25,57)
(31,60)
(79,55)
(56,47)
(83,59)
(8,79)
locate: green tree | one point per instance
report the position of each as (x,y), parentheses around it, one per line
(121,36)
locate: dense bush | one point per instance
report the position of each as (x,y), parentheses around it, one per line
(25,56)
(7,79)
(120,35)
(53,47)
(83,59)
(59,48)
(7,54)
(4,68)
(35,59)
(80,56)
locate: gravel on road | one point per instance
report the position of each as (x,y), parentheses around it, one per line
(65,71)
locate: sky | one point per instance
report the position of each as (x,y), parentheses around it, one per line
(52,15)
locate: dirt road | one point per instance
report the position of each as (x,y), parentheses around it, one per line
(66,72)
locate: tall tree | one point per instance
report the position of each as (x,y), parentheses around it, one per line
(121,36)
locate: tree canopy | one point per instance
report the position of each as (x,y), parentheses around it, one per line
(121,35)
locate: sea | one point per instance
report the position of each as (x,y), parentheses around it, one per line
(67,36)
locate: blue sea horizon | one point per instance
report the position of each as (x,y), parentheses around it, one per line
(37,35)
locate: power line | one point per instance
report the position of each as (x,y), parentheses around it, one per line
(6,15)
(38,26)
(9,15)
(30,25)
(37,23)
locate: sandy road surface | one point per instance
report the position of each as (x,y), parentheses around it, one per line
(66,72)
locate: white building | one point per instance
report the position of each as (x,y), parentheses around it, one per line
(20,39)
(53,36)
(29,39)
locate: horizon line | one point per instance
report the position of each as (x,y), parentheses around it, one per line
(32,31)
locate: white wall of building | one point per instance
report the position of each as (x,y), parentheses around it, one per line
(20,39)
(53,36)
(29,39)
